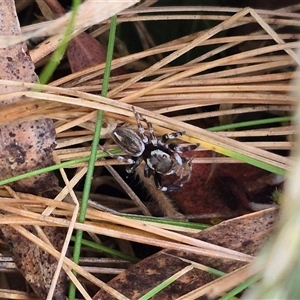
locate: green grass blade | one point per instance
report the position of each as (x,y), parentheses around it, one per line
(93,156)
(107,250)
(240,288)
(61,49)
(54,167)
(250,123)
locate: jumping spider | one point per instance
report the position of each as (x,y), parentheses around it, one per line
(161,158)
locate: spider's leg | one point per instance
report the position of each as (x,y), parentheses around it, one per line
(172,187)
(176,147)
(184,172)
(181,147)
(164,188)
(134,166)
(141,129)
(158,183)
(139,118)
(118,157)
(147,171)
(153,138)
(171,135)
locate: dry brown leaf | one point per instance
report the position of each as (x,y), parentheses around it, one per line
(246,234)
(83,50)
(224,190)
(25,147)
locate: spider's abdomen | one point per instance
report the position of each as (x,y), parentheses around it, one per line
(129,141)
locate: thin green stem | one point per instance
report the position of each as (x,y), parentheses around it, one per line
(254,162)
(54,167)
(90,171)
(61,49)
(249,123)
(107,250)
(186,224)
(241,287)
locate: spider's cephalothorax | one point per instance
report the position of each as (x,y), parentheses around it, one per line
(161,157)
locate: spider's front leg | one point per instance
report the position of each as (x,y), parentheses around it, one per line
(171,135)
(184,172)
(147,171)
(182,147)
(165,188)
(177,147)
(157,179)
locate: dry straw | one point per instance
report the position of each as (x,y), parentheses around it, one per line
(252,80)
